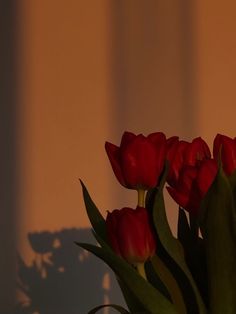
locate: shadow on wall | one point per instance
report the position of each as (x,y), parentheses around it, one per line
(63,278)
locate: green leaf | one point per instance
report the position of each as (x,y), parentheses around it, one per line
(194,252)
(174,250)
(232,179)
(133,303)
(119,309)
(184,231)
(218,225)
(152,300)
(170,283)
(155,276)
(95,217)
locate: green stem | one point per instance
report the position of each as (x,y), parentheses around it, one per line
(193,226)
(141,270)
(141,198)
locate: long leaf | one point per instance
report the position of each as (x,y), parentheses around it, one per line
(119,309)
(195,255)
(152,300)
(173,247)
(155,277)
(133,303)
(170,282)
(95,217)
(219,232)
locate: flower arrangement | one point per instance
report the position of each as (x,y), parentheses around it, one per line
(158,273)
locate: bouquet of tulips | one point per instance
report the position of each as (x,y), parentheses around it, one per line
(157,272)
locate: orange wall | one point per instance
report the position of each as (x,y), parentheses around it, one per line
(92,69)
(65,111)
(215,48)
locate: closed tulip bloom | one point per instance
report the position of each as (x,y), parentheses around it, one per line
(224,147)
(196,151)
(181,154)
(206,175)
(193,184)
(130,234)
(139,160)
(185,193)
(175,155)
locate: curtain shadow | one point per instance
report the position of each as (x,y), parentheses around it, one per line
(64,278)
(153,66)
(8,156)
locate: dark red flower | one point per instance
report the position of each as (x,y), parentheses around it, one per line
(175,156)
(181,154)
(224,147)
(130,234)
(139,160)
(193,184)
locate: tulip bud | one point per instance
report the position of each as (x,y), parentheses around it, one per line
(139,161)
(225,148)
(175,156)
(193,185)
(130,234)
(182,153)
(197,151)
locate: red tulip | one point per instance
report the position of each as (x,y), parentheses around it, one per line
(139,160)
(175,156)
(197,151)
(182,153)
(193,184)
(225,148)
(130,234)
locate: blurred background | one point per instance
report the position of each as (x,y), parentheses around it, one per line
(73,75)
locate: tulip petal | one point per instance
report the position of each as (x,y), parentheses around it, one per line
(139,163)
(159,140)
(225,147)
(131,235)
(216,146)
(196,151)
(127,138)
(181,198)
(114,157)
(139,160)
(172,140)
(175,156)
(206,175)
(186,193)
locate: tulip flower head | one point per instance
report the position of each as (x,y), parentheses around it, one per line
(138,162)
(175,156)
(196,151)
(193,185)
(224,147)
(191,172)
(182,153)
(130,234)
